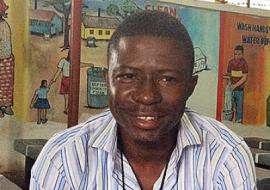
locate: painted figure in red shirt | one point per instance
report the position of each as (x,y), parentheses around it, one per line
(238,72)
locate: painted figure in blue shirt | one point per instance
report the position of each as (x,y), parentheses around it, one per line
(40,102)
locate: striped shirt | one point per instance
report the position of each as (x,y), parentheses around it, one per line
(207,156)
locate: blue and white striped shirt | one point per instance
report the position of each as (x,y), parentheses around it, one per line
(207,156)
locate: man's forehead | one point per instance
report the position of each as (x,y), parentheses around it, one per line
(126,54)
(141,41)
(122,43)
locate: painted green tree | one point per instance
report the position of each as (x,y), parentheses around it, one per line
(113,10)
(63,7)
(126,8)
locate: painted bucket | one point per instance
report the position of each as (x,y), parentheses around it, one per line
(97,95)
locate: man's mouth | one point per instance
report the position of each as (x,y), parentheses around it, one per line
(147,118)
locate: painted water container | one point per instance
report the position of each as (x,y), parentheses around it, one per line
(97,96)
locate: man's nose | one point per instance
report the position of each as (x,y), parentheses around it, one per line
(147,93)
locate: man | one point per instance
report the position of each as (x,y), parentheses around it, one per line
(237,71)
(6,64)
(147,140)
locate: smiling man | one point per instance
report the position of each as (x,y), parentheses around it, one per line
(148,139)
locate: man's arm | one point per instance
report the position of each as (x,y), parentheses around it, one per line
(47,176)
(48,171)
(33,100)
(238,171)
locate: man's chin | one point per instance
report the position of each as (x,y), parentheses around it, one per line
(146,141)
(147,138)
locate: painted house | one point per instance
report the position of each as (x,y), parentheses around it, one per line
(98,27)
(46,23)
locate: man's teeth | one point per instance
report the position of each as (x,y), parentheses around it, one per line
(147,118)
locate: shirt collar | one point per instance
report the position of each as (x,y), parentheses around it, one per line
(105,138)
(188,134)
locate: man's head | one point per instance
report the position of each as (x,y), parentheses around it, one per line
(153,23)
(150,59)
(238,52)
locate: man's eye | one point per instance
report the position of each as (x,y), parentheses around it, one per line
(126,77)
(167,80)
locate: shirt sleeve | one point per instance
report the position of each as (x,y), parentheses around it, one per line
(48,178)
(238,171)
(61,64)
(46,175)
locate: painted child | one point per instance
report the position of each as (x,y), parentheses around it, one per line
(40,102)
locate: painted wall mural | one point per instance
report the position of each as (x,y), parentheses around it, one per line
(6,64)
(249,98)
(49,26)
(203,27)
(214,34)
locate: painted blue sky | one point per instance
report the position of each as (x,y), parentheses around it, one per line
(92,5)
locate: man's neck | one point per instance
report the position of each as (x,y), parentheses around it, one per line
(147,160)
(144,153)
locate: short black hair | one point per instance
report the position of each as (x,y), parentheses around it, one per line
(239,48)
(42,83)
(153,23)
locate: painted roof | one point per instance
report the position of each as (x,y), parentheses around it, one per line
(42,15)
(100,22)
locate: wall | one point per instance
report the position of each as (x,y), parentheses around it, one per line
(18,20)
(11,126)
(253,34)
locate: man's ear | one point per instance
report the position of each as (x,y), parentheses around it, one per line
(106,76)
(191,85)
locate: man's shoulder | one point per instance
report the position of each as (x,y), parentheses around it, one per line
(214,130)
(81,134)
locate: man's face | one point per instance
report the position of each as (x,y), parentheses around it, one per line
(148,86)
(238,54)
